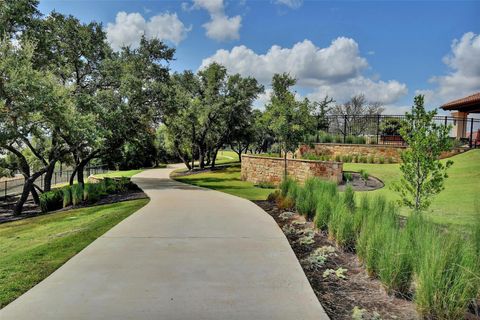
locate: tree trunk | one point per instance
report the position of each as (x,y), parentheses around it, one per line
(285,160)
(27,187)
(214,157)
(47,179)
(72,176)
(35,196)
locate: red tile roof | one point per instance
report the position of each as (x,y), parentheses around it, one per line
(463,102)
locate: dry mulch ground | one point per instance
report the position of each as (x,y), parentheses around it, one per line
(339,296)
(33,210)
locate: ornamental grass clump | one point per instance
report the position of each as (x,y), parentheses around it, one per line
(395,262)
(341,226)
(324,209)
(77,194)
(306,198)
(447,280)
(348,199)
(67,196)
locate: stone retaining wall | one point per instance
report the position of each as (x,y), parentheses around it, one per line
(387,152)
(258,169)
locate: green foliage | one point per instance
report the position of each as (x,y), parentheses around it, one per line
(77,194)
(325,206)
(423,172)
(307,197)
(347,176)
(381,160)
(341,226)
(94,191)
(395,263)
(371,159)
(51,200)
(265,185)
(447,278)
(67,196)
(364,176)
(390,126)
(348,198)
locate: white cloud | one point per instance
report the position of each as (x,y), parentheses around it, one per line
(220,27)
(464,76)
(129,28)
(294,4)
(335,70)
(376,91)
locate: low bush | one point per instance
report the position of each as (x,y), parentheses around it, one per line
(51,200)
(324,210)
(362,159)
(371,159)
(347,176)
(360,140)
(338,158)
(338,139)
(350,139)
(381,160)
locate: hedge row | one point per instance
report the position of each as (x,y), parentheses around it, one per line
(77,194)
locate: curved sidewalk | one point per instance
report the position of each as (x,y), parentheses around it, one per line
(190,253)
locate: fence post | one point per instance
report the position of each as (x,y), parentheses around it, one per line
(5,190)
(55,178)
(445,121)
(344,128)
(378,127)
(471,133)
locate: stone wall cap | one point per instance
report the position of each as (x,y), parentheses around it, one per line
(361,145)
(290,159)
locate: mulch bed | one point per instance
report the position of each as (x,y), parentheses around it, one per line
(358,184)
(339,296)
(32,210)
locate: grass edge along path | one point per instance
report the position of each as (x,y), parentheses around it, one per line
(226,180)
(31,249)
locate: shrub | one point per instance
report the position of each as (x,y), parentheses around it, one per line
(338,158)
(341,226)
(338,138)
(350,139)
(371,159)
(363,159)
(326,138)
(77,194)
(381,160)
(286,185)
(51,200)
(348,199)
(360,140)
(356,158)
(67,196)
(274,195)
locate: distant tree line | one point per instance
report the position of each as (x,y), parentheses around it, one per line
(66,97)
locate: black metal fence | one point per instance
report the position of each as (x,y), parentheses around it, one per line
(14,186)
(384,129)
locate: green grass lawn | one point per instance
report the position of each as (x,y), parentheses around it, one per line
(31,249)
(116,174)
(455,205)
(227,180)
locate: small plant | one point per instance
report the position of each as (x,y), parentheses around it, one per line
(381,160)
(273,196)
(358,313)
(348,177)
(318,257)
(307,239)
(371,159)
(338,158)
(364,176)
(338,139)
(349,139)
(339,273)
(360,140)
(363,159)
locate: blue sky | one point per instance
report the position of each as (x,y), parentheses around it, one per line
(387,50)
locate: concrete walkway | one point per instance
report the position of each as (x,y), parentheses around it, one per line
(191,253)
